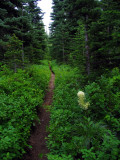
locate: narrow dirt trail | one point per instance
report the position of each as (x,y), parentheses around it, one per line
(37,139)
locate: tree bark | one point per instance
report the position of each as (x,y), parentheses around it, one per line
(15,65)
(63,53)
(22,44)
(23,56)
(63,47)
(87,47)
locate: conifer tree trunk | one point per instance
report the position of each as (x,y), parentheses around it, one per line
(23,56)
(22,44)
(15,65)
(87,48)
(63,53)
(63,46)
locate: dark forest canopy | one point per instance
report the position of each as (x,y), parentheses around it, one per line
(86,33)
(23,19)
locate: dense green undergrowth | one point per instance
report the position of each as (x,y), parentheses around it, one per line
(78,134)
(20,95)
(104,97)
(75,133)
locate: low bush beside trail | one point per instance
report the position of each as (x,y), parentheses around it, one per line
(74,133)
(104,97)
(20,94)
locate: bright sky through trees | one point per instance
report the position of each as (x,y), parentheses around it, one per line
(46,6)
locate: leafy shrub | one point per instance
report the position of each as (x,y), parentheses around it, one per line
(104,98)
(105,151)
(44,62)
(20,92)
(72,131)
(57,157)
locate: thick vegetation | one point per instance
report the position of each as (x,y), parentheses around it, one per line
(85,34)
(20,95)
(104,97)
(22,18)
(83,134)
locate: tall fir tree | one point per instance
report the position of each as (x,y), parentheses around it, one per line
(59,31)
(105,38)
(24,19)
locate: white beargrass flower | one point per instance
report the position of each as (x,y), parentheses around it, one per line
(80,94)
(81,100)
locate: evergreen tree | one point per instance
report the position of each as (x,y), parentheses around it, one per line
(36,36)
(77,56)
(13,54)
(59,31)
(87,12)
(67,15)
(105,38)
(24,19)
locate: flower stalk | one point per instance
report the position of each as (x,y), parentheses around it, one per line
(81,100)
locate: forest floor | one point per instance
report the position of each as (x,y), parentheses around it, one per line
(39,132)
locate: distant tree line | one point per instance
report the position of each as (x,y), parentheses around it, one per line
(86,34)
(21,28)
